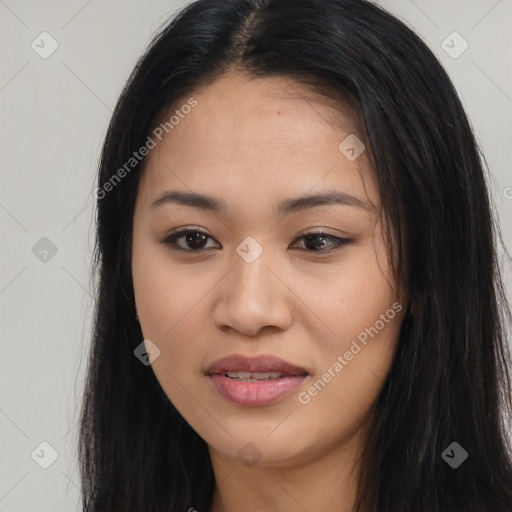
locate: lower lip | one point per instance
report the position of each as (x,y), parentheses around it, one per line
(256,393)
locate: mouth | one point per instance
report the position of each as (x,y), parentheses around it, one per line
(263,367)
(255,381)
(254,376)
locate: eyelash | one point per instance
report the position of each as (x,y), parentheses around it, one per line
(337,242)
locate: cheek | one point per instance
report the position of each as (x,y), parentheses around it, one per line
(350,377)
(364,318)
(164,292)
(172,315)
(347,298)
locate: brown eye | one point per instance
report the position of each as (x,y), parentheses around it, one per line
(193,240)
(317,242)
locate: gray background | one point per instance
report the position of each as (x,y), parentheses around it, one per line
(54,113)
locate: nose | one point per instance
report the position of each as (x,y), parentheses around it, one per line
(253,296)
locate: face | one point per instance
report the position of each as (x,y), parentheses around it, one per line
(261,274)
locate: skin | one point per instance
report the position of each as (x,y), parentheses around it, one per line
(254,143)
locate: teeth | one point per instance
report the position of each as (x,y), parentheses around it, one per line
(248,376)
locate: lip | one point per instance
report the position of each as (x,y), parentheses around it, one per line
(261,363)
(255,394)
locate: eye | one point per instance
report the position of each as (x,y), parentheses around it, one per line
(319,241)
(194,240)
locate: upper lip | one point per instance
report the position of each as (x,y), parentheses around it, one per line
(259,364)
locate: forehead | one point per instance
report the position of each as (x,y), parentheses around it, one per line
(258,139)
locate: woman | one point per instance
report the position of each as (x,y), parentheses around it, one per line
(299,303)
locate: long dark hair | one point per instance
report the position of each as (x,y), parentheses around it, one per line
(450,380)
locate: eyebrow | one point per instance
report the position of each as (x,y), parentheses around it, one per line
(209,203)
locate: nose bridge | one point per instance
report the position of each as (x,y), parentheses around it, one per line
(251,275)
(252,297)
